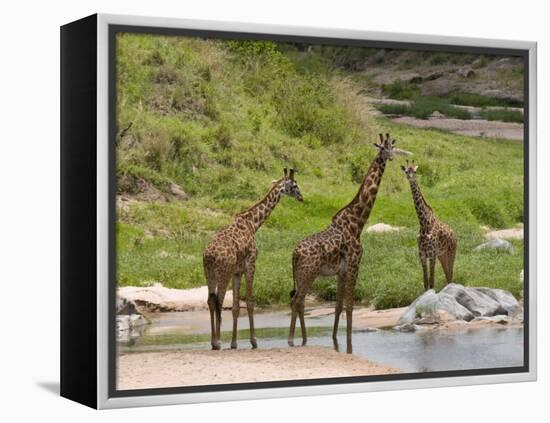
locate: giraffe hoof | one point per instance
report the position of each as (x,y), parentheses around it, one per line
(254,344)
(233,345)
(216,346)
(290,343)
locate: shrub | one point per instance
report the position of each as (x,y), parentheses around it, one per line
(423,107)
(401,90)
(487,212)
(503,115)
(394,109)
(430,176)
(306,106)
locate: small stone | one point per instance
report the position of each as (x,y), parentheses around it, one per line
(382,228)
(513,233)
(178,192)
(436,114)
(496,244)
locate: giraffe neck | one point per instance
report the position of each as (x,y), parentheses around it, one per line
(259,212)
(357,212)
(423,209)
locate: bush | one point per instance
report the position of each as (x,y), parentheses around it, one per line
(503,115)
(306,106)
(487,212)
(394,109)
(423,107)
(430,176)
(401,90)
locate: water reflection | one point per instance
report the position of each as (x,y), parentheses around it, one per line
(412,352)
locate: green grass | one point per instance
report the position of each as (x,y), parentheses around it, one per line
(423,107)
(478,100)
(221,120)
(401,90)
(503,115)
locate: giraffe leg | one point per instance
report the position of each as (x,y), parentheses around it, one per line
(212,302)
(212,306)
(349,319)
(249,275)
(235,309)
(222,287)
(450,263)
(296,305)
(423,260)
(294,314)
(349,288)
(338,309)
(302,322)
(432,272)
(444,259)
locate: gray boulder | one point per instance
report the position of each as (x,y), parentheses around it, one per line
(477,302)
(424,303)
(449,304)
(430,305)
(496,244)
(128,320)
(456,302)
(506,300)
(125,306)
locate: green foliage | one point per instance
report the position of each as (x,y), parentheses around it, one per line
(308,107)
(394,109)
(423,107)
(401,90)
(247,49)
(222,120)
(503,115)
(478,100)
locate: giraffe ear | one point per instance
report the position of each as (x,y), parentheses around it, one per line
(416,167)
(377,145)
(404,168)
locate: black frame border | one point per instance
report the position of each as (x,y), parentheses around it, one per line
(78,211)
(113,29)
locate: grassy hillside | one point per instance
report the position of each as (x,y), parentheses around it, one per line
(221,119)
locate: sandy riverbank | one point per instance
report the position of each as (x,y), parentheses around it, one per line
(191,368)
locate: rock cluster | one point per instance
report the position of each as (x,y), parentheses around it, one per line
(457,302)
(128,320)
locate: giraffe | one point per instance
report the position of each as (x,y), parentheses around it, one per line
(435,238)
(337,250)
(232,252)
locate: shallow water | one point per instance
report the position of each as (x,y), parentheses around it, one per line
(429,350)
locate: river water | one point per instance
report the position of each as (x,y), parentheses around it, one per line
(421,351)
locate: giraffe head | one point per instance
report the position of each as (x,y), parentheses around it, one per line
(385,148)
(410,170)
(289,186)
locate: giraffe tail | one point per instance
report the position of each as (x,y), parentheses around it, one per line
(213,296)
(217,307)
(293,292)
